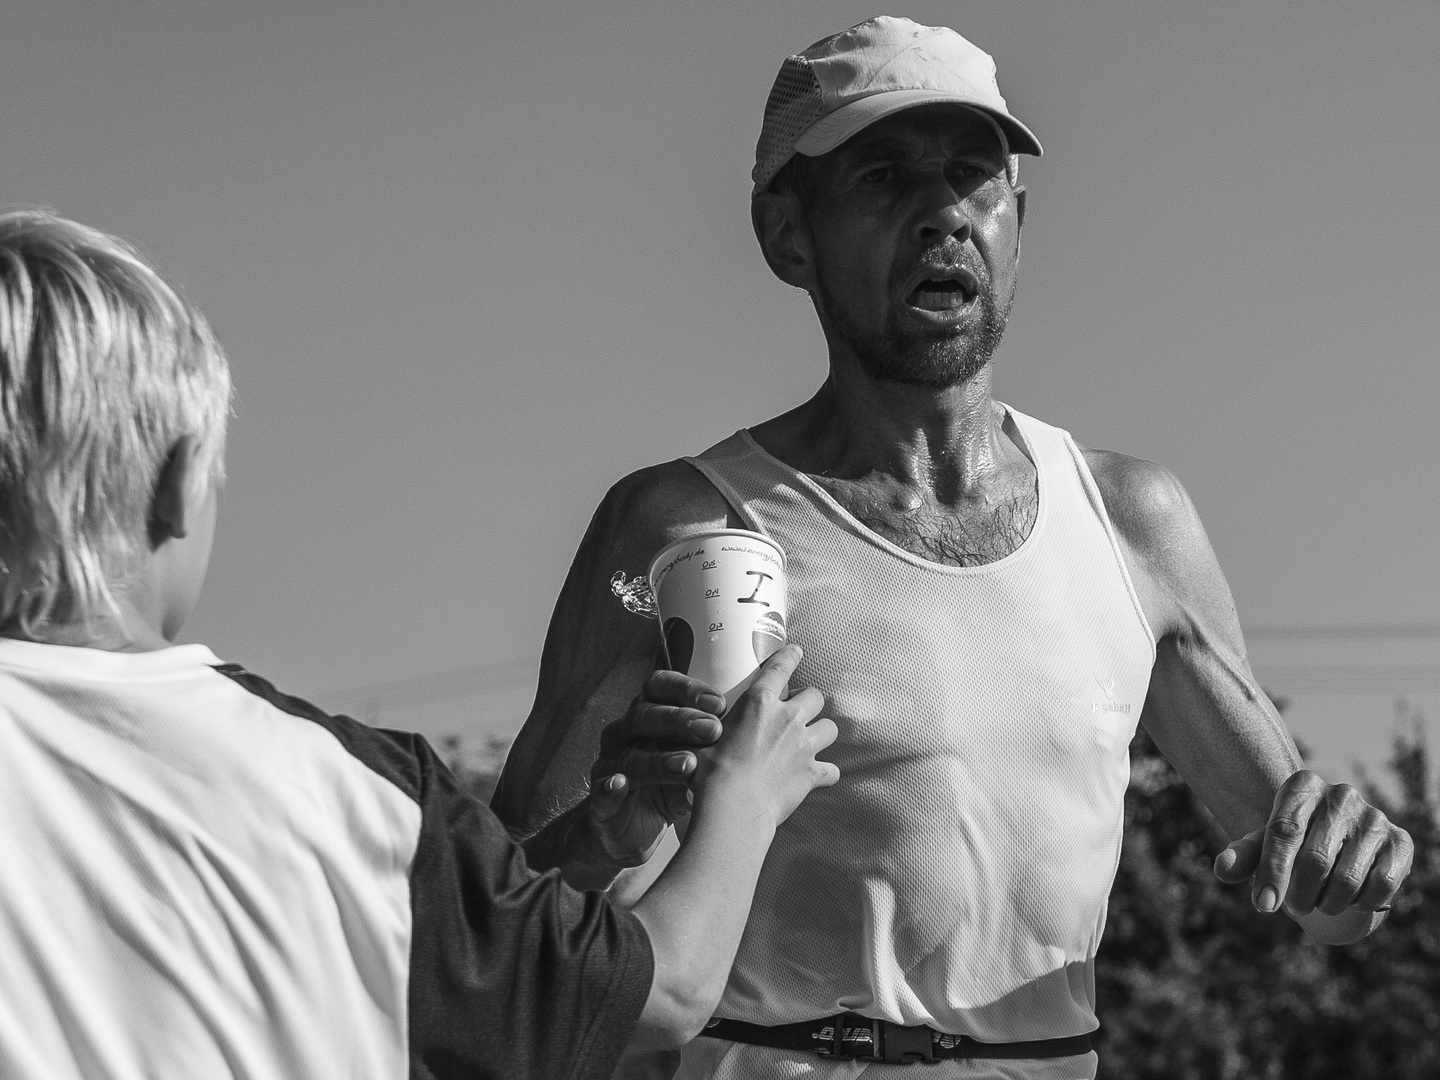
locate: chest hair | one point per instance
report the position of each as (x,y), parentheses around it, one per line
(971,534)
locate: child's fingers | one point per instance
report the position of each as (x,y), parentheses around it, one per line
(806,704)
(822,733)
(775,672)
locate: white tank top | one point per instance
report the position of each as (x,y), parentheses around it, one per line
(957,874)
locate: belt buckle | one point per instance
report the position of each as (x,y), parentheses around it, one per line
(905,1045)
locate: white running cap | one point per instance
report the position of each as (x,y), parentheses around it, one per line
(845,82)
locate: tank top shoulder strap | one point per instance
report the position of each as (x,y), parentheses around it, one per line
(1060,463)
(1048,446)
(1072,486)
(738,469)
(743,472)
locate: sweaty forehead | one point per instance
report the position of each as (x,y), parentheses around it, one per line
(954,130)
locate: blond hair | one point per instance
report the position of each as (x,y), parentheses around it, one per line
(103,367)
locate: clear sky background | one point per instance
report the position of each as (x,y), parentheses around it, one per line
(474,262)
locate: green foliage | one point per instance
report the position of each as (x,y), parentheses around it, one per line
(1194,984)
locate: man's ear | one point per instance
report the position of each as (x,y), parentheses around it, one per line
(169,501)
(784,236)
(1020,194)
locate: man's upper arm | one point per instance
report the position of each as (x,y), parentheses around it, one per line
(1205,710)
(597,654)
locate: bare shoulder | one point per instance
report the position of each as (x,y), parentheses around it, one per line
(1171,562)
(665,497)
(656,505)
(1147,504)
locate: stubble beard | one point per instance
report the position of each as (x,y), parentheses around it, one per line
(938,360)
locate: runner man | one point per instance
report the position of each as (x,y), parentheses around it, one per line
(989,608)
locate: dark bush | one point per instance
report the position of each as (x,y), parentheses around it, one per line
(1194,984)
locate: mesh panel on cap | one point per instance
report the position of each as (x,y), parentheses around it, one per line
(795,103)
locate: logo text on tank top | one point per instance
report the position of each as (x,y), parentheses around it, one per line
(1109,705)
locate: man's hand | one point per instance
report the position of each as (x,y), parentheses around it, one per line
(1324,849)
(640,782)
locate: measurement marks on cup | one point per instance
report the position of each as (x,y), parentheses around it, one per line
(722,603)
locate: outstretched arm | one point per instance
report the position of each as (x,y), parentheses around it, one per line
(1315,849)
(596,660)
(746,785)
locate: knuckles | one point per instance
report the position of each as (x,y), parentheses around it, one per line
(806,705)
(1286,829)
(1346,882)
(762,697)
(1312,861)
(1400,840)
(1388,878)
(1342,798)
(1304,781)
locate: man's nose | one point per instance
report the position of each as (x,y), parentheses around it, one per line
(945,218)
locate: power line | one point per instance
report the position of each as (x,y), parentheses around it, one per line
(1353,632)
(1344,679)
(488,678)
(497,676)
(1351,678)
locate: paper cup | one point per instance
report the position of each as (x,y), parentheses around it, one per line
(721,599)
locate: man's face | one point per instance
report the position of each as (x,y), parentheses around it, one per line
(915,232)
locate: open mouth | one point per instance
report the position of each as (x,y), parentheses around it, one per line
(941,294)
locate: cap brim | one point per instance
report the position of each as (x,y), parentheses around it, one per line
(847,121)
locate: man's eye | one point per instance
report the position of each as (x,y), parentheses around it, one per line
(878,175)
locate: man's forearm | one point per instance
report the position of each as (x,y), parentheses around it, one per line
(570,842)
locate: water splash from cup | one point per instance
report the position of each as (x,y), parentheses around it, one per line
(635,594)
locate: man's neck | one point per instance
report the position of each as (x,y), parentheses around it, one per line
(933,471)
(947,443)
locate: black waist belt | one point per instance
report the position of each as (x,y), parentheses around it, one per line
(850,1036)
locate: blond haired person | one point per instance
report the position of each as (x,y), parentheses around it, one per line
(206,878)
